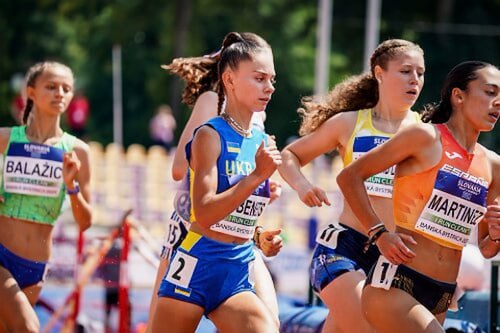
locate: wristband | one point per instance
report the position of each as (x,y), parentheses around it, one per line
(374,228)
(371,241)
(73,191)
(256,235)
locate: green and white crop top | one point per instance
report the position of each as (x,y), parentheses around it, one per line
(33,188)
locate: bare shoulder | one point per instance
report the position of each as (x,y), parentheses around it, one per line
(341,125)
(206,134)
(81,148)
(4,137)
(344,118)
(208,97)
(494,159)
(420,134)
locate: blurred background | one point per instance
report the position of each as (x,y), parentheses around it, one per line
(82,33)
(116,48)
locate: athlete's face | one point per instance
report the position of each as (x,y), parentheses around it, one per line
(401,83)
(53,90)
(480,102)
(253,81)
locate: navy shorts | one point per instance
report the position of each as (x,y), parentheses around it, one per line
(207,272)
(435,295)
(24,271)
(332,259)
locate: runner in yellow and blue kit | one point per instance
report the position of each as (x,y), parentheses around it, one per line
(230,164)
(236,161)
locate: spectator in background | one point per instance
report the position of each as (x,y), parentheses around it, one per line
(110,273)
(78,114)
(17,108)
(162,127)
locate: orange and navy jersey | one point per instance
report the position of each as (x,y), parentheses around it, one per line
(445,202)
(364,138)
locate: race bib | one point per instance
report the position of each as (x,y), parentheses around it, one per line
(241,222)
(33,169)
(383,273)
(457,203)
(181,269)
(329,235)
(176,231)
(380,184)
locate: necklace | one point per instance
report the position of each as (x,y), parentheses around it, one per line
(235,125)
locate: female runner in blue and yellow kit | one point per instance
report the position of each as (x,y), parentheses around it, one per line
(211,272)
(445,184)
(200,76)
(41,164)
(379,104)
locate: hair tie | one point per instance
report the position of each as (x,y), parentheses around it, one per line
(215,54)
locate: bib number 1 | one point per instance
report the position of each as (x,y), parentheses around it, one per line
(383,273)
(181,269)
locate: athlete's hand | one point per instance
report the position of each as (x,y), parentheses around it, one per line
(312,196)
(275,188)
(267,160)
(71,167)
(392,246)
(270,242)
(492,218)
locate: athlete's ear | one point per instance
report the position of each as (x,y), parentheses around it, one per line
(457,95)
(377,71)
(30,92)
(228,79)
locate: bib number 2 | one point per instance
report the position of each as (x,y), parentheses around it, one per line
(181,269)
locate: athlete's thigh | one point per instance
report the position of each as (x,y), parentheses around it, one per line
(390,310)
(243,313)
(342,296)
(264,286)
(175,316)
(15,307)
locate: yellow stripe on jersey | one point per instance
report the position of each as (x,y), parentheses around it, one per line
(191,239)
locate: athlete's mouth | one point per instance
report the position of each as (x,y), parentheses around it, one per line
(495,115)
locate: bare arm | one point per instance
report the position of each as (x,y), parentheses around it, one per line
(76,167)
(209,206)
(329,136)
(424,152)
(204,109)
(489,227)
(4,138)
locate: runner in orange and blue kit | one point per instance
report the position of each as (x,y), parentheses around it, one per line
(446,184)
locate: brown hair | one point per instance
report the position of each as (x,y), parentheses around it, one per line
(199,73)
(31,76)
(459,77)
(356,92)
(204,73)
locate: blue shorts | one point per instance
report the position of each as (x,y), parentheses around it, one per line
(207,272)
(329,262)
(433,294)
(24,271)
